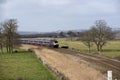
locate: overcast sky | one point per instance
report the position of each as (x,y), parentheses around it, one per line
(54,15)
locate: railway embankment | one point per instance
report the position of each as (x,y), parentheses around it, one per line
(65,66)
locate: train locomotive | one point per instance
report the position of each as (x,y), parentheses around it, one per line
(50,43)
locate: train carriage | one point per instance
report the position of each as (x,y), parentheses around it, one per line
(50,43)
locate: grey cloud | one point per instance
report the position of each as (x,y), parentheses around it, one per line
(2,1)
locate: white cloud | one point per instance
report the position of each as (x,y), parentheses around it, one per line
(56,2)
(93,7)
(43,2)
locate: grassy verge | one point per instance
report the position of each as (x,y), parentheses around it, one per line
(22,66)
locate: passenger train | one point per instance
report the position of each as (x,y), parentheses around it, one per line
(50,43)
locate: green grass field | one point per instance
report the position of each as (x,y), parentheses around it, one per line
(111,49)
(22,65)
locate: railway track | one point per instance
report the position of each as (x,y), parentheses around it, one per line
(100,61)
(66,64)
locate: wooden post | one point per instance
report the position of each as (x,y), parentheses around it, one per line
(109,75)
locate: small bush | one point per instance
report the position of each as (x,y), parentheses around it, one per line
(30,50)
(16,51)
(66,47)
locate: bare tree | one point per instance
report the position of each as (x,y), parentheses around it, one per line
(71,34)
(62,34)
(1,38)
(10,35)
(87,39)
(101,33)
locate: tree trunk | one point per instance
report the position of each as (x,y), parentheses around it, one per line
(12,48)
(1,48)
(89,49)
(98,48)
(7,48)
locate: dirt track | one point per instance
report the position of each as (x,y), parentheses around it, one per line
(75,66)
(101,63)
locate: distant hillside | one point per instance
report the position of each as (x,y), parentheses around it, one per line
(26,33)
(58,33)
(117,32)
(36,34)
(117,35)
